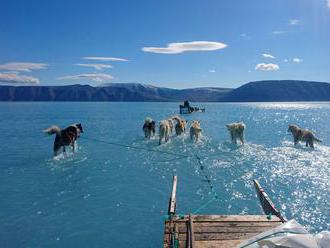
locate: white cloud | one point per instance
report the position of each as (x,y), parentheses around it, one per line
(294,21)
(297,60)
(245,36)
(328,4)
(286,60)
(96,77)
(105,59)
(14,78)
(267,67)
(212,70)
(21,66)
(180,47)
(278,32)
(267,55)
(99,67)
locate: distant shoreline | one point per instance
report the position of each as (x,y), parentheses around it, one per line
(298,102)
(260,91)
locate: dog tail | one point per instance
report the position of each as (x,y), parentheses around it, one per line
(176,118)
(317,140)
(52,130)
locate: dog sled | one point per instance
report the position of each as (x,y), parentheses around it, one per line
(251,231)
(187,109)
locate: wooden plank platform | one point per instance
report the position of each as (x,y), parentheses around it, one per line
(215,230)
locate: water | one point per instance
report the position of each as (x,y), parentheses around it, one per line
(110,196)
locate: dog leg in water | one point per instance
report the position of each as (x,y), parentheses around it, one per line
(311,143)
(232,137)
(242,139)
(56,148)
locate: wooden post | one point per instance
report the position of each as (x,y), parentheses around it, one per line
(266,203)
(172,203)
(190,232)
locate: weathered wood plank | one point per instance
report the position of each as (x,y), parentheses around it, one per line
(176,231)
(230,218)
(207,231)
(238,223)
(227,224)
(221,229)
(191,239)
(183,244)
(217,244)
(207,243)
(217,229)
(218,236)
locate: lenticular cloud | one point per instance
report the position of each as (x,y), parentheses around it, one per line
(23,66)
(14,78)
(267,67)
(96,77)
(180,47)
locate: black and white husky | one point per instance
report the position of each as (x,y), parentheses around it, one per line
(65,137)
(149,128)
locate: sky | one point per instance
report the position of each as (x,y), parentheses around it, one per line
(177,44)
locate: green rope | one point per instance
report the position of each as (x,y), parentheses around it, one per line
(207,177)
(175,243)
(178,156)
(204,205)
(167,217)
(136,147)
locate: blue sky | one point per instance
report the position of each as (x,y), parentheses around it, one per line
(180,44)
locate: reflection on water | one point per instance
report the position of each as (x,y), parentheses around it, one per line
(110,194)
(289,105)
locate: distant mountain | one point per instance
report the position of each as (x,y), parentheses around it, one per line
(261,91)
(109,92)
(279,91)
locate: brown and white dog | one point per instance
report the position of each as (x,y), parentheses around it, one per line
(149,128)
(180,126)
(195,130)
(236,131)
(304,135)
(170,122)
(65,137)
(164,131)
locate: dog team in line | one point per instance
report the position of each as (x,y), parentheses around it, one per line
(68,136)
(178,124)
(236,131)
(166,127)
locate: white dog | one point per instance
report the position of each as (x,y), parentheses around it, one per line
(195,130)
(236,131)
(164,130)
(170,122)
